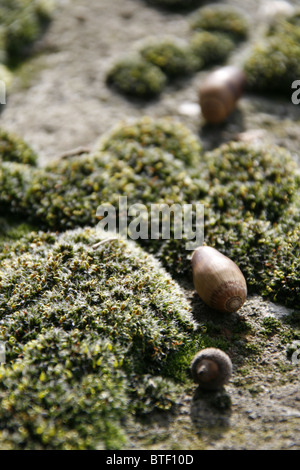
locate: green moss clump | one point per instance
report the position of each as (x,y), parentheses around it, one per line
(222,19)
(250,195)
(166,133)
(260,181)
(171,57)
(88,334)
(273,62)
(23,21)
(136,77)
(67,193)
(252,216)
(210,48)
(14,149)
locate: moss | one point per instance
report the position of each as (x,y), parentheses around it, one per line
(85,330)
(23,22)
(250,216)
(210,48)
(270,326)
(249,194)
(273,62)
(222,19)
(168,134)
(136,77)
(15,149)
(261,181)
(172,58)
(69,195)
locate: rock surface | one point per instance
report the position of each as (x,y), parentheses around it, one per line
(59,101)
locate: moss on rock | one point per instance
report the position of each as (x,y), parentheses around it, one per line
(247,192)
(173,58)
(222,19)
(168,134)
(22,22)
(209,48)
(273,61)
(15,149)
(261,180)
(136,77)
(252,216)
(90,330)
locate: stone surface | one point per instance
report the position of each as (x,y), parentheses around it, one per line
(59,101)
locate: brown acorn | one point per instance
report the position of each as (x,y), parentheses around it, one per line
(211,368)
(218,280)
(219,93)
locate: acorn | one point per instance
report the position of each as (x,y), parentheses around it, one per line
(218,280)
(219,93)
(211,368)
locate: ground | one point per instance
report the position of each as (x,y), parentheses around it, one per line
(59,101)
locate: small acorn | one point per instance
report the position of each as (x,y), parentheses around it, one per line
(218,280)
(219,93)
(211,368)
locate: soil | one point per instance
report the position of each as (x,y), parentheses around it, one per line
(59,101)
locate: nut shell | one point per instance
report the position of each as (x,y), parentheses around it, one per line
(211,368)
(218,280)
(220,92)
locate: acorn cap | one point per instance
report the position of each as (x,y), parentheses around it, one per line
(211,368)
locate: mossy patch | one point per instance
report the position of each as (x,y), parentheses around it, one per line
(210,48)
(136,77)
(173,58)
(221,19)
(15,149)
(23,22)
(85,328)
(166,133)
(217,30)
(144,162)
(272,64)
(249,194)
